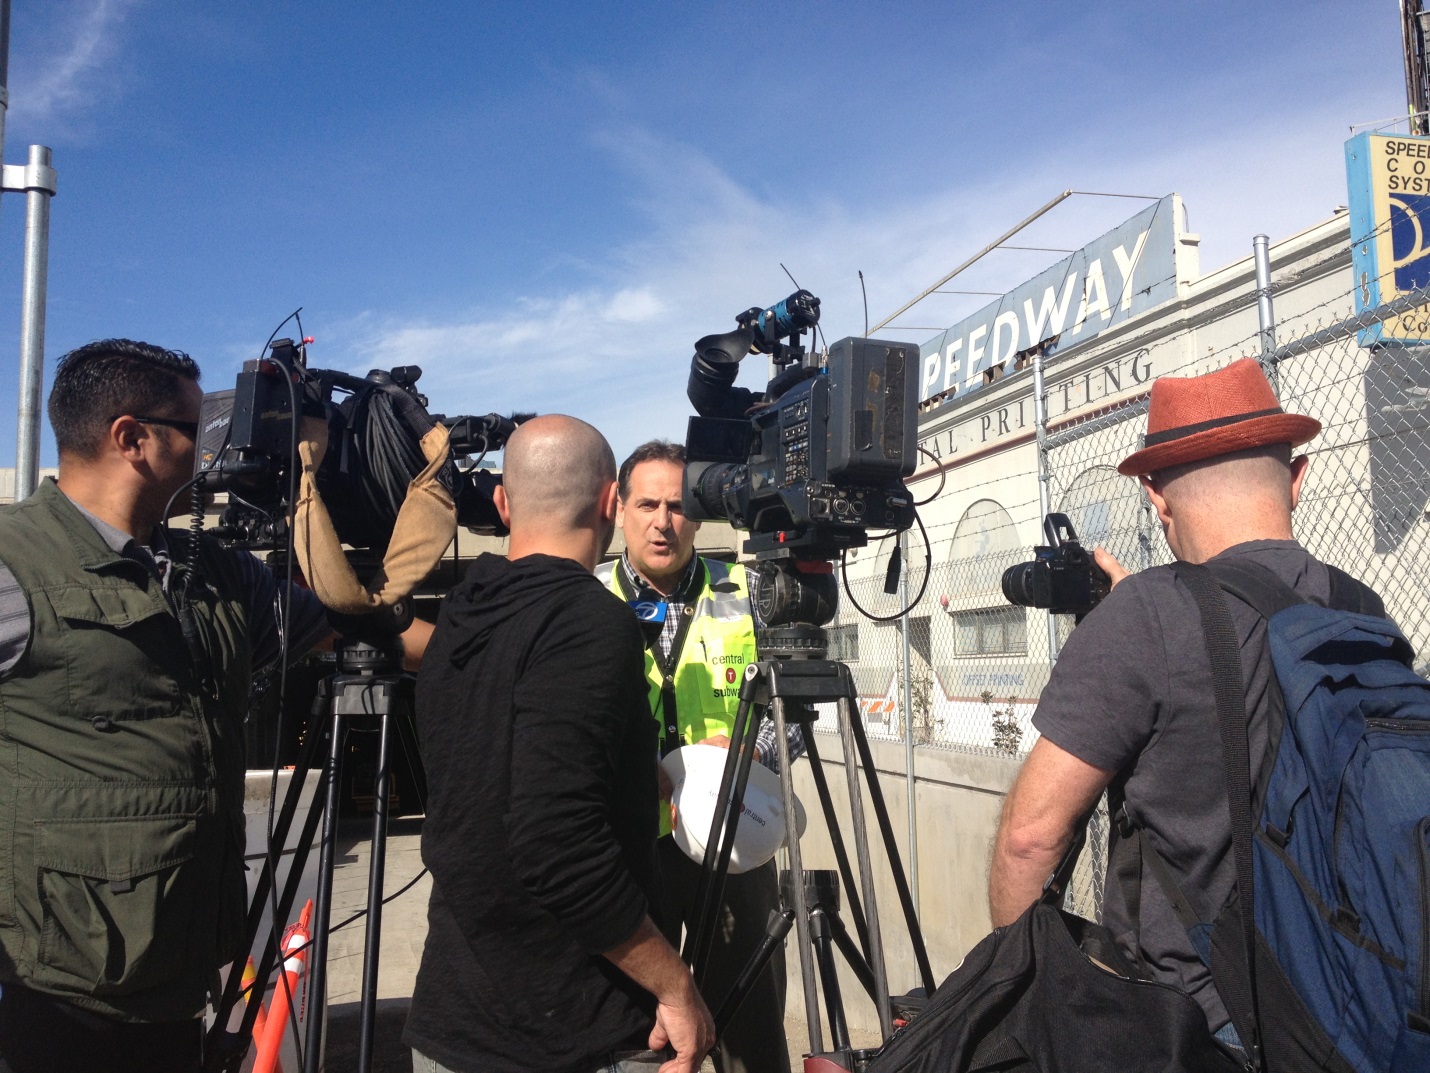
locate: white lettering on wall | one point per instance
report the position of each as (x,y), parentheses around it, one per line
(931,372)
(1094,295)
(1001,353)
(950,369)
(1053,312)
(976,348)
(1127,265)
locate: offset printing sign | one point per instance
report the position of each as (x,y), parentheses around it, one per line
(1125,272)
(1388,179)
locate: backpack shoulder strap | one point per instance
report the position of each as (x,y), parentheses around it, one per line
(1255,585)
(1349,594)
(1229,688)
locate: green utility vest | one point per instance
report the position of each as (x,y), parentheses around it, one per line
(709,666)
(121,773)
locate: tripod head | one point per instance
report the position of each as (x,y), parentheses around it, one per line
(794,598)
(371,644)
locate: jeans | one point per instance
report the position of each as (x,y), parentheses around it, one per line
(615,1062)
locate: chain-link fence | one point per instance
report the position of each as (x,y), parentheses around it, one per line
(976,664)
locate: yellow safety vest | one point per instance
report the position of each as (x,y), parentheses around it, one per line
(719,644)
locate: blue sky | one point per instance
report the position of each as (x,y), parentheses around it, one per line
(545,204)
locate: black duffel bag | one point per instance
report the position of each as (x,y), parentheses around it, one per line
(1051,993)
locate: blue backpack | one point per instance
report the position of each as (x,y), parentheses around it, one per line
(1331,837)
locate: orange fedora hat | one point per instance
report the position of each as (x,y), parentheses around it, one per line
(1196,417)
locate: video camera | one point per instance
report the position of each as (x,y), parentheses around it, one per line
(248,439)
(1063,576)
(817,460)
(809,466)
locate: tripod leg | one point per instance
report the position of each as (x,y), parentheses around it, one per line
(377,866)
(829,976)
(218,1044)
(896,864)
(776,928)
(857,964)
(796,865)
(323,903)
(836,840)
(847,714)
(715,865)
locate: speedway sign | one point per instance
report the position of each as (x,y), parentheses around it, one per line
(1125,272)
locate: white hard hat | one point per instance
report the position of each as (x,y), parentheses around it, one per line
(695,772)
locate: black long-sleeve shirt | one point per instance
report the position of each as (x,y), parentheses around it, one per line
(538,745)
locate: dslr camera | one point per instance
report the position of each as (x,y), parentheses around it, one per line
(1063,577)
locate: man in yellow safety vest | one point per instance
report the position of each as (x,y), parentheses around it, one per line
(694,668)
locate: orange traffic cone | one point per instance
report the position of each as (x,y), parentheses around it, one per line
(295,947)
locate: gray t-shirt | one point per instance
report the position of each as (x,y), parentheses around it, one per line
(1132,692)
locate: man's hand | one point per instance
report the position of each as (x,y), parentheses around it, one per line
(685,1024)
(1110,566)
(681,1019)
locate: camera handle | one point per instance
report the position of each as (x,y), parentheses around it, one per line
(768,688)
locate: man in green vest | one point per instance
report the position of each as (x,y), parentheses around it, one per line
(694,668)
(126,656)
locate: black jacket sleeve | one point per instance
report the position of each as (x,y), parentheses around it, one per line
(571,787)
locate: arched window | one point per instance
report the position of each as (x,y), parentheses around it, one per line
(1106,509)
(982,540)
(985,543)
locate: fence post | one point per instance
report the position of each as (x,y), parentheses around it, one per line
(1045,476)
(37,181)
(909,719)
(1265,316)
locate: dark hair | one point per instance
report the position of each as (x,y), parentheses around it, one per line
(110,377)
(651,451)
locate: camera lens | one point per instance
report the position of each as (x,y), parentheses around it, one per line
(1028,584)
(701,495)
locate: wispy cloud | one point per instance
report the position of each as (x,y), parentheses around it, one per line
(616,350)
(59,73)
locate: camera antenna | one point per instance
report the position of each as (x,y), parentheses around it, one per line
(281,324)
(865,293)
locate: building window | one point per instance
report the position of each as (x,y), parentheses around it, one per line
(844,643)
(990,631)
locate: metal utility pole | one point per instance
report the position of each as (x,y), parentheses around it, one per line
(4,70)
(36,180)
(1413,20)
(1265,314)
(909,780)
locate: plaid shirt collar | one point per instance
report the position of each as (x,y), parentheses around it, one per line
(684,592)
(687,590)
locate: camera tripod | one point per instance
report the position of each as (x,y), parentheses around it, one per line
(368,689)
(784,689)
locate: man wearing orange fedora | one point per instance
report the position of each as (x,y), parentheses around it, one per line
(1130,704)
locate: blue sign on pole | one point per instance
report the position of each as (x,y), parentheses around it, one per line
(1388,183)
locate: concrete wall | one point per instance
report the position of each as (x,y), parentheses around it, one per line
(958,797)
